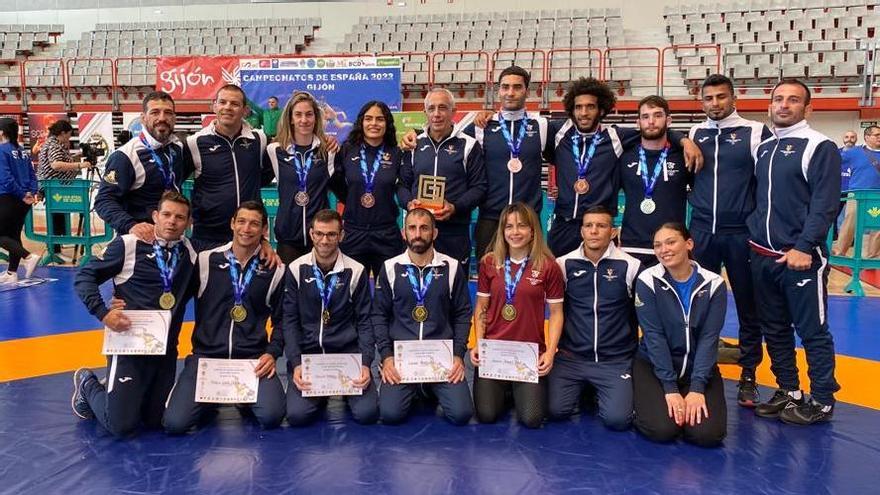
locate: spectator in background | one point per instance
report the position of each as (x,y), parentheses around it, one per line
(18,190)
(265,118)
(849,140)
(56,163)
(864,164)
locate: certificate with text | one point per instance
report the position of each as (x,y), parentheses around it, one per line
(423,361)
(508,360)
(227,381)
(331,374)
(148,335)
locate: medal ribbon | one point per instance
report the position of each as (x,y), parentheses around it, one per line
(510,285)
(239,285)
(326,292)
(167,170)
(302,165)
(651,183)
(166,270)
(583,162)
(419,290)
(369,175)
(513,145)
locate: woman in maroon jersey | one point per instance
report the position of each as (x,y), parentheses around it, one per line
(517,279)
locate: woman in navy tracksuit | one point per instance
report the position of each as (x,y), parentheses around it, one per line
(303,167)
(367,173)
(18,191)
(677,385)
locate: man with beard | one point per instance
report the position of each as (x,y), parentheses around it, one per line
(654,180)
(139,172)
(421,295)
(722,198)
(788,232)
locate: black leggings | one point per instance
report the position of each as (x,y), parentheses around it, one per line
(13,211)
(652,417)
(490,400)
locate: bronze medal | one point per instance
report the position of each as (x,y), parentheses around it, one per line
(508,312)
(325,316)
(514,165)
(420,314)
(238,313)
(368,200)
(302,198)
(166,300)
(581,186)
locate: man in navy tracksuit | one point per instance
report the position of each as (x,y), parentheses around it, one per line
(798,189)
(141,170)
(142,272)
(600,332)
(654,180)
(441,151)
(584,154)
(722,198)
(327,310)
(512,143)
(443,292)
(235,294)
(229,165)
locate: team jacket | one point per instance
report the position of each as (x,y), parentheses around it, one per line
(292,221)
(226,174)
(459,158)
(723,194)
(798,190)
(349,182)
(680,345)
(17,176)
(599,318)
(131,264)
(670,196)
(215,334)
(349,329)
(447,302)
(504,186)
(132,183)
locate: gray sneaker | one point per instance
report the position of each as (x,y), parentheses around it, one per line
(78,402)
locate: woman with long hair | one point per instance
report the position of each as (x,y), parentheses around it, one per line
(303,167)
(367,171)
(517,279)
(677,386)
(18,191)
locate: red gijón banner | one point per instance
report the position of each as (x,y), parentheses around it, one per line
(195,78)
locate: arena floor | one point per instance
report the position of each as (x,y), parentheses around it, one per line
(44,449)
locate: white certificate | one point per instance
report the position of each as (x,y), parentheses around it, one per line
(331,374)
(147,336)
(227,381)
(508,360)
(423,361)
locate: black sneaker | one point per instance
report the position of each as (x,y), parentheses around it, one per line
(807,414)
(78,402)
(728,353)
(781,400)
(747,395)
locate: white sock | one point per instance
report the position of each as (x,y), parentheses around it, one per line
(796,394)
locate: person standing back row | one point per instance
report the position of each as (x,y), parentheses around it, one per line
(18,191)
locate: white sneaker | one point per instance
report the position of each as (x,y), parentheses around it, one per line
(30,264)
(8,278)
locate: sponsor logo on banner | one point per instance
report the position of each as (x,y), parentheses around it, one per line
(195,78)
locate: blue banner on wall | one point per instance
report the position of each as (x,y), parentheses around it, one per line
(342,84)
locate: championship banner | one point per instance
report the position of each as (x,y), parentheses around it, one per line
(340,84)
(195,78)
(96,129)
(38,127)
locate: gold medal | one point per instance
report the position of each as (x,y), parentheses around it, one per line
(238,313)
(167,300)
(301,198)
(368,200)
(581,186)
(420,313)
(325,316)
(508,312)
